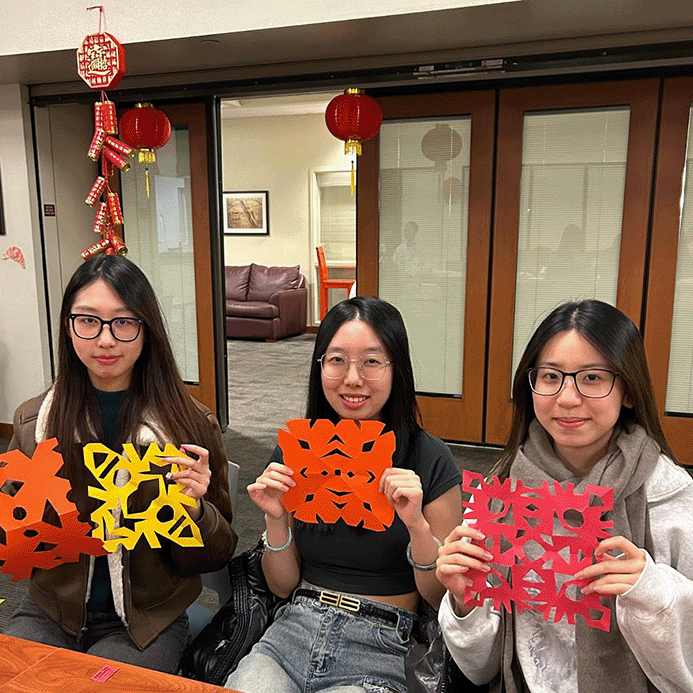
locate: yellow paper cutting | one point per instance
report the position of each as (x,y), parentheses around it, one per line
(165,516)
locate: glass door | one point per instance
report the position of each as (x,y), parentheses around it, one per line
(573,182)
(168,236)
(424,204)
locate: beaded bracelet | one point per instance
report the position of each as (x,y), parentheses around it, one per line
(418,566)
(268,547)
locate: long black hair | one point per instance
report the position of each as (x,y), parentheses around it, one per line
(156,386)
(613,334)
(401,411)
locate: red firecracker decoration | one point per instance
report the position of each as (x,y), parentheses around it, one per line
(353,117)
(101,64)
(441,144)
(146,129)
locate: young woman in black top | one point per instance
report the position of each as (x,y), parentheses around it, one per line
(355,590)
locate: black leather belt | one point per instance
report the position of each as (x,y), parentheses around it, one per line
(348,603)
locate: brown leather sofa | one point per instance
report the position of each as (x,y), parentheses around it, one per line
(265,302)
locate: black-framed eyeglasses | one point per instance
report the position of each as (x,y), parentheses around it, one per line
(336,366)
(589,382)
(91,326)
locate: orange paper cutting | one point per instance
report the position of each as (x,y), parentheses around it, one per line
(165,516)
(41,525)
(337,470)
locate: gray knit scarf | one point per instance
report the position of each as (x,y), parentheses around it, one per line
(602,657)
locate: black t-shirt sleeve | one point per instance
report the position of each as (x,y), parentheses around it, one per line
(435,466)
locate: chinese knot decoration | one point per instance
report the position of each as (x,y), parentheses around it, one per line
(101,64)
(146,129)
(337,470)
(353,117)
(539,538)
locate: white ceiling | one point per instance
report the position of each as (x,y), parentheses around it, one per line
(500,30)
(260,107)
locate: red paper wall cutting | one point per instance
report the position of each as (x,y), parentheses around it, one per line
(337,470)
(40,524)
(514,519)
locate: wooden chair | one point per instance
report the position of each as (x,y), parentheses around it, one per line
(326,283)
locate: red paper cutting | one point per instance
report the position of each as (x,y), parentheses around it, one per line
(522,519)
(30,538)
(337,470)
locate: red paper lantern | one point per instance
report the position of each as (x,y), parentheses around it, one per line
(353,117)
(441,144)
(146,129)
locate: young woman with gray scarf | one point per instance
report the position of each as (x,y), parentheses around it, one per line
(584,413)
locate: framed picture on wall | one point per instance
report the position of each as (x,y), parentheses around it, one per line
(246,213)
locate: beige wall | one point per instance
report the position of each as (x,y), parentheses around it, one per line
(24,361)
(277,154)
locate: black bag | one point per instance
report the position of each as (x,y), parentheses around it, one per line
(238,624)
(428,666)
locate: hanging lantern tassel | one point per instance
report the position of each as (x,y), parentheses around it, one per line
(353,117)
(354,148)
(149,157)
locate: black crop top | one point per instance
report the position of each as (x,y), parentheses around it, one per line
(361,561)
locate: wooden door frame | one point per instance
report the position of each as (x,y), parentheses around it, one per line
(442,415)
(677,98)
(642,97)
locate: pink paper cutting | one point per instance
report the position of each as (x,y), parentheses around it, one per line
(337,470)
(519,528)
(15,253)
(41,526)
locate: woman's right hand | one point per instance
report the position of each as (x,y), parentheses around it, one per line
(269,488)
(455,558)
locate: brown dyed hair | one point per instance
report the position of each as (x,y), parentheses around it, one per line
(616,337)
(156,387)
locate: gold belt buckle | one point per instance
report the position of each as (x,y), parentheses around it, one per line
(342,601)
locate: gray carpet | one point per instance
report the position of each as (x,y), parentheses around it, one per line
(267,387)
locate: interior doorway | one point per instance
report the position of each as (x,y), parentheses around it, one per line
(285,189)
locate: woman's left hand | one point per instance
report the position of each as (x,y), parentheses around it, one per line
(194,475)
(614,575)
(403,490)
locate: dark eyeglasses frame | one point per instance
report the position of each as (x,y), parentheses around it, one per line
(139,322)
(573,375)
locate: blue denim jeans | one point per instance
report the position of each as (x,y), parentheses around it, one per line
(314,647)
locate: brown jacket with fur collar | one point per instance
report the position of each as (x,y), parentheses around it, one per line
(158,585)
